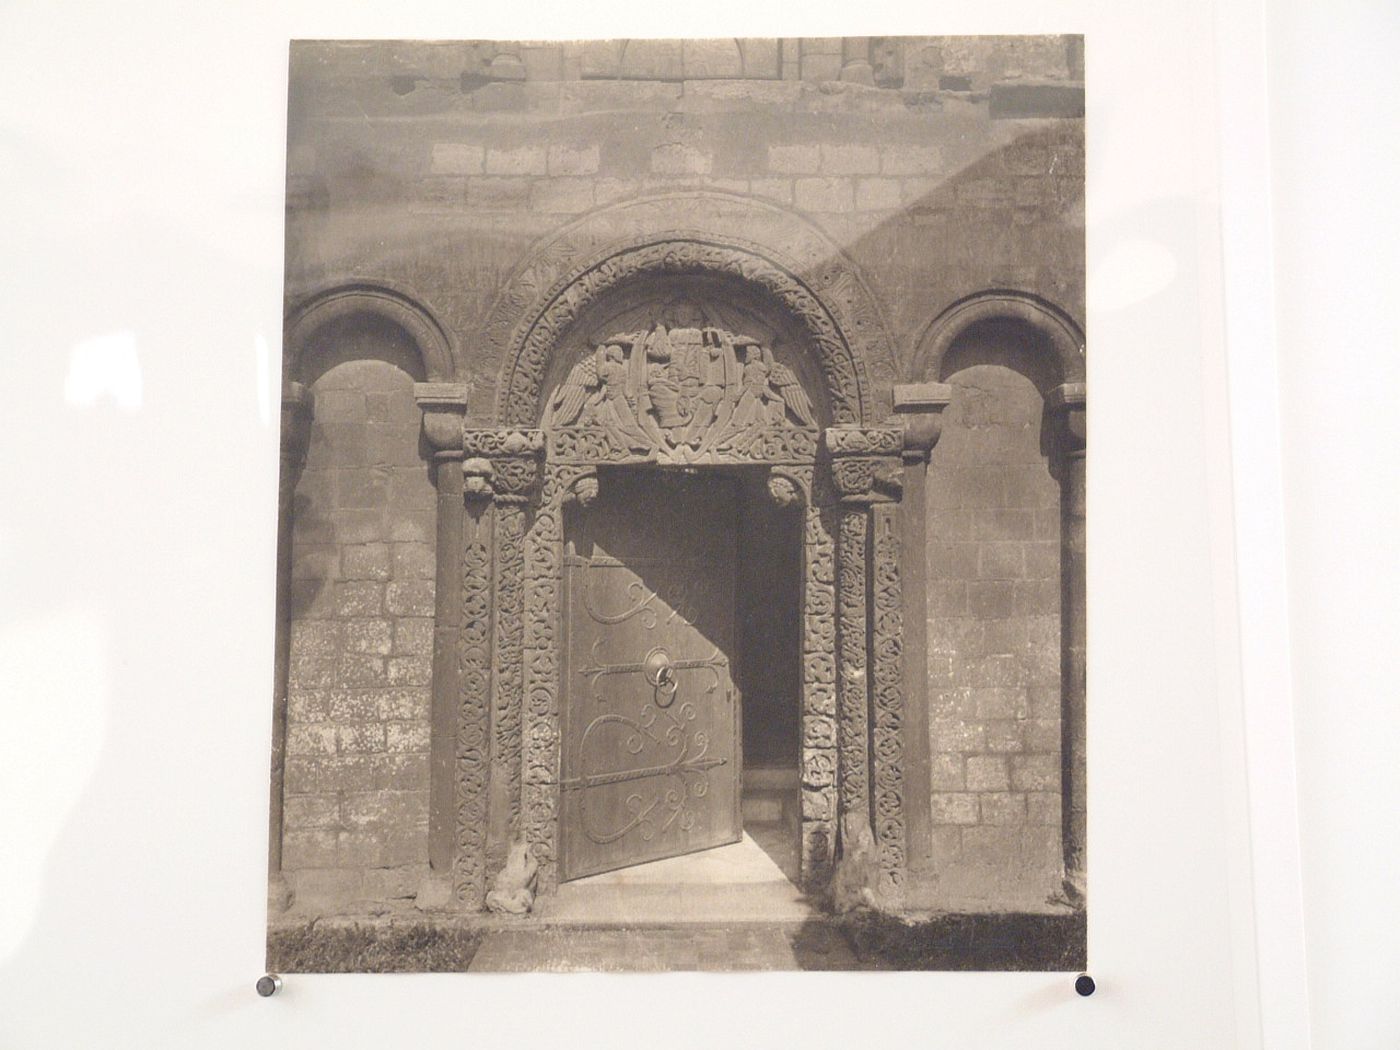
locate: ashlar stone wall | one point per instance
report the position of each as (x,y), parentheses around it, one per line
(359,683)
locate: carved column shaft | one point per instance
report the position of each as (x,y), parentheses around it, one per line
(1067,402)
(296,433)
(853,694)
(500,475)
(471,742)
(919,410)
(887,659)
(819,763)
(867,474)
(444,405)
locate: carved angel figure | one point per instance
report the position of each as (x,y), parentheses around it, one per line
(598,391)
(769,390)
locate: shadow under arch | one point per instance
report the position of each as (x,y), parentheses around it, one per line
(347,306)
(1052,328)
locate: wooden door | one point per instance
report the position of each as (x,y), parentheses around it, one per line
(651,760)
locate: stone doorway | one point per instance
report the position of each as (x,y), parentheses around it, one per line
(681,628)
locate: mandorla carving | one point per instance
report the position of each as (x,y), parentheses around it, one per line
(683,392)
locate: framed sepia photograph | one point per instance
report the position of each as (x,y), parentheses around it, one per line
(681,549)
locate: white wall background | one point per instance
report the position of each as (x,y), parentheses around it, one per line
(1335,108)
(141,172)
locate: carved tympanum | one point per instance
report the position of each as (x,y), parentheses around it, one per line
(681,391)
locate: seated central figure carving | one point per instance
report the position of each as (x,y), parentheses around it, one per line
(681,391)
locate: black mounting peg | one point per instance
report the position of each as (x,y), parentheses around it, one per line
(1084,984)
(268,984)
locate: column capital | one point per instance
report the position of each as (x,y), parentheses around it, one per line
(444,408)
(918,409)
(296,419)
(865,463)
(501,462)
(1067,402)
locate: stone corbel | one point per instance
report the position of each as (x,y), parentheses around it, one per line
(444,408)
(1067,405)
(918,409)
(865,463)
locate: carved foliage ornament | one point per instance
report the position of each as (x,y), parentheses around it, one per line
(683,393)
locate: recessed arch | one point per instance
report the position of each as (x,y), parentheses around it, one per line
(343,302)
(1057,331)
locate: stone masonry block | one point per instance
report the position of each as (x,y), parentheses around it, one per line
(572,160)
(413,637)
(948,773)
(566,196)
(455,158)
(1004,737)
(957,736)
(1003,808)
(355,705)
(315,638)
(910,160)
(365,561)
(987,773)
(679,158)
(307,775)
(309,848)
(389,808)
(311,811)
(498,193)
(991,599)
(413,561)
(397,883)
(1042,735)
(849,159)
(406,736)
(401,772)
(368,636)
(520,160)
(359,598)
(954,808)
(1035,772)
(1001,561)
(779,190)
(404,704)
(877,194)
(1043,807)
(308,705)
(410,670)
(341,406)
(319,561)
(796,159)
(1000,702)
(363,738)
(313,739)
(360,670)
(407,845)
(310,672)
(825,194)
(410,598)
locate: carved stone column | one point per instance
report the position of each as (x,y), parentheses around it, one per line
(919,410)
(502,468)
(867,474)
(296,435)
(444,406)
(1067,404)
